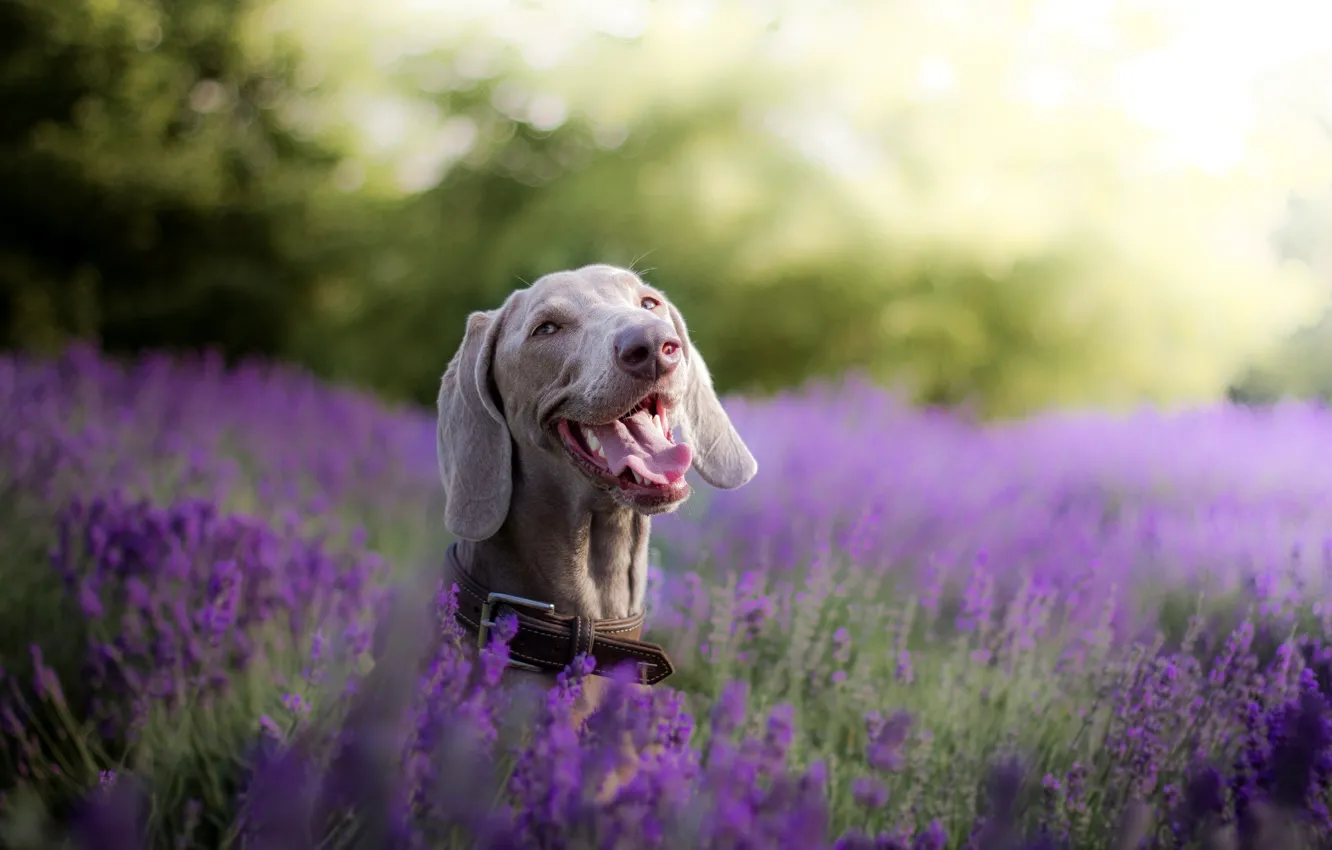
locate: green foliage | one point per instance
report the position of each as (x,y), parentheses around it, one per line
(870,189)
(938,318)
(154,196)
(1300,365)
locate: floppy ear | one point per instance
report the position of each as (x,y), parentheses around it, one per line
(472,439)
(720,456)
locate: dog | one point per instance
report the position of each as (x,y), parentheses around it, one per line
(568,418)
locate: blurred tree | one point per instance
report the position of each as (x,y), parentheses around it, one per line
(780,274)
(1299,365)
(894,189)
(153,195)
(954,195)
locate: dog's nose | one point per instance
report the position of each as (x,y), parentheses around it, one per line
(648,351)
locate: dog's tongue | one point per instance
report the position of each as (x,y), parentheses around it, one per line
(637,443)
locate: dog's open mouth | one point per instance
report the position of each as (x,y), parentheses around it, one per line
(634,452)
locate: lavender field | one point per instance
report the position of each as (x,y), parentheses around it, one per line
(908,631)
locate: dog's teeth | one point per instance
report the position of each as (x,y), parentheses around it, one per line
(637,478)
(593,443)
(601,453)
(657,420)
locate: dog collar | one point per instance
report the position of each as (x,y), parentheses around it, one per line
(548,641)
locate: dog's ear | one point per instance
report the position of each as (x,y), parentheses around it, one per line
(472,440)
(720,456)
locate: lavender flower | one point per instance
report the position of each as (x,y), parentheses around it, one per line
(1010,589)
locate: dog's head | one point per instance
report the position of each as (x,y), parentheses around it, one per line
(590,374)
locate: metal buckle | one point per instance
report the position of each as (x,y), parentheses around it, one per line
(483,631)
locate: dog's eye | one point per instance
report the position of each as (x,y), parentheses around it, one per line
(545,329)
(650,303)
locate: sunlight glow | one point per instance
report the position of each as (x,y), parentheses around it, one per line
(1163,137)
(1198,92)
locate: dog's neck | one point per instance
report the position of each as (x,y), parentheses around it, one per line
(574,548)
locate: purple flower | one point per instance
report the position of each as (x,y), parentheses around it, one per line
(869,793)
(728,713)
(932,837)
(201,531)
(886,740)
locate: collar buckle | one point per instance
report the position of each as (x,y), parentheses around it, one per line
(493,601)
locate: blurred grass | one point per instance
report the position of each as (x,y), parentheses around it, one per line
(966,712)
(973,696)
(1027,703)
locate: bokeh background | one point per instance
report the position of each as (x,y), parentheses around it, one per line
(1001,205)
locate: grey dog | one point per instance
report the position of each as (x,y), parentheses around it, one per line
(567,419)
